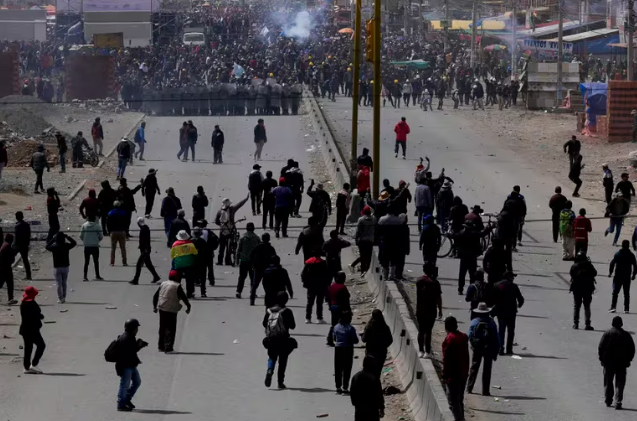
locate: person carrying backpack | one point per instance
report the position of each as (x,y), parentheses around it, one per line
(483,337)
(278,321)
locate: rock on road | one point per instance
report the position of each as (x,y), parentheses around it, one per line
(211,375)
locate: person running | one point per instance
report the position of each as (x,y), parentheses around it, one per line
(626,264)
(483,336)
(626,187)
(91,235)
(166,301)
(117,224)
(125,348)
(616,351)
(247,244)
(572,148)
(428,299)
(608,183)
(367,393)
(574,174)
(616,210)
(30,326)
(345,338)
(315,278)
(278,322)
(7,257)
(60,248)
(145,248)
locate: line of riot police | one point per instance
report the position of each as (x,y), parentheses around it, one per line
(238,98)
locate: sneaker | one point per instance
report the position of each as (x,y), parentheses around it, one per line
(395,155)
(204,295)
(404,157)
(28,371)
(134,282)
(515,249)
(520,243)
(237,295)
(308,321)
(606,233)
(147,216)
(268,378)
(12,302)
(99,278)
(36,369)
(321,322)
(611,310)
(421,354)
(339,391)
(575,194)
(427,356)
(282,386)
(130,405)
(154,281)
(618,406)
(61,301)
(626,311)
(589,327)
(575,326)
(124,409)
(85,279)
(345,391)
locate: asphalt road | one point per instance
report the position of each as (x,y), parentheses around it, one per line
(220,365)
(558,377)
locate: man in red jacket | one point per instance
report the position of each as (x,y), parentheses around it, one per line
(581,227)
(455,366)
(402,130)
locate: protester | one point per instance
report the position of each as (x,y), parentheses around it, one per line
(7,257)
(166,300)
(150,188)
(616,351)
(583,275)
(62,150)
(625,187)
(89,206)
(260,138)
(30,325)
(170,207)
(269,184)
(261,259)
(184,258)
(315,278)
(278,322)
(332,249)
(217,145)
(91,236)
(145,248)
(338,302)
(226,222)
(106,198)
(125,348)
(345,338)
(38,163)
(616,210)
(275,280)
(60,246)
(567,216)
(123,156)
(455,366)
(430,241)
(247,244)
(97,133)
(140,140)
(178,224)
(557,204)
(378,338)
(310,239)
(367,393)
(343,199)
(117,222)
(364,237)
(428,299)
(199,204)
(581,227)
(53,206)
(508,299)
(483,336)
(402,130)
(283,205)
(608,183)
(626,264)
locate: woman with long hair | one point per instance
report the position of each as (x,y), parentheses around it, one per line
(377,338)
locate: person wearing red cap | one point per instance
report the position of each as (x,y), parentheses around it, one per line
(365,231)
(283,201)
(166,301)
(30,330)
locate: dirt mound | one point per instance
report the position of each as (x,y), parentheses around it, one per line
(20,153)
(23,114)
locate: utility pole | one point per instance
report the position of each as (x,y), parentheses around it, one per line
(448,23)
(355,79)
(631,29)
(514,47)
(378,83)
(559,53)
(473,35)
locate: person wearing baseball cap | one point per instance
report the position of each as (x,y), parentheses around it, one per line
(508,299)
(166,301)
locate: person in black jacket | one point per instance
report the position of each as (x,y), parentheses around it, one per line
(278,343)
(365,160)
(575,172)
(378,338)
(105,199)
(268,200)
(255,187)
(199,204)
(469,248)
(144,253)
(128,345)
(496,261)
(275,280)
(60,248)
(53,206)
(217,145)
(616,351)
(30,326)
(310,239)
(7,257)
(260,139)
(22,232)
(508,299)
(212,242)
(366,392)
(170,205)
(149,189)
(316,278)
(428,299)
(332,249)
(177,225)
(626,264)
(583,282)
(261,258)
(203,256)
(321,205)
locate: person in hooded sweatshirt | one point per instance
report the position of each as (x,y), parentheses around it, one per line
(90,205)
(60,248)
(7,257)
(260,257)
(91,235)
(150,188)
(30,325)
(275,280)
(316,278)
(364,237)
(378,338)
(105,199)
(199,204)
(366,393)
(278,321)
(145,248)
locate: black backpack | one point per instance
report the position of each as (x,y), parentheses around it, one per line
(480,340)
(110,355)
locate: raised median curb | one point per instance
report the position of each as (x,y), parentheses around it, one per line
(421,384)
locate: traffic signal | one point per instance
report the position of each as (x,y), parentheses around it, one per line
(369,41)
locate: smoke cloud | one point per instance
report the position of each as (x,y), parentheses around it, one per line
(300,27)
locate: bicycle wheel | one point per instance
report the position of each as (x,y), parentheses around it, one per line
(446,245)
(485,242)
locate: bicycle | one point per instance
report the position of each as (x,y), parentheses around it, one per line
(233,242)
(487,239)
(446,242)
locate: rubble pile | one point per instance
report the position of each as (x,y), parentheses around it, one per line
(96,105)
(20,147)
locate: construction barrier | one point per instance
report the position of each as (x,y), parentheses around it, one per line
(9,74)
(90,77)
